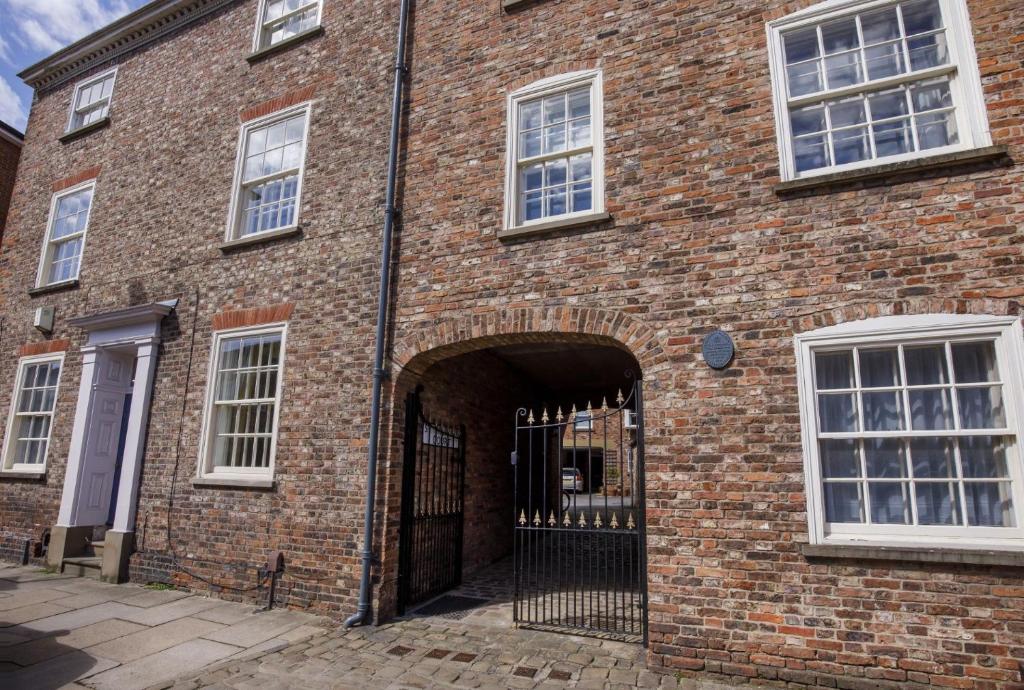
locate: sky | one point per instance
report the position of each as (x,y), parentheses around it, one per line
(30,30)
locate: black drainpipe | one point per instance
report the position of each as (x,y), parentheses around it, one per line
(363,611)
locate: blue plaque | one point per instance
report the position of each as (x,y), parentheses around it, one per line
(718,349)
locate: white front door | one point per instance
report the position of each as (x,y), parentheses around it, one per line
(99,460)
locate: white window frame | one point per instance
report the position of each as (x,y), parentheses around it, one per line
(1009,344)
(46,254)
(23,364)
(539,89)
(237,207)
(261,24)
(84,84)
(207,470)
(962,69)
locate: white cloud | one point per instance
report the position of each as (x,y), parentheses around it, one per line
(51,24)
(5,51)
(12,111)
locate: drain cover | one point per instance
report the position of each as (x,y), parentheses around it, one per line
(450,606)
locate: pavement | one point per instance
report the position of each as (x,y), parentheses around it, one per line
(58,631)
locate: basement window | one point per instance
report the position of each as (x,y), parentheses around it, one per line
(91,102)
(243,403)
(31,421)
(911,431)
(859,83)
(268,174)
(65,235)
(555,170)
(281,20)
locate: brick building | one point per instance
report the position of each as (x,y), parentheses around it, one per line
(11,141)
(588,190)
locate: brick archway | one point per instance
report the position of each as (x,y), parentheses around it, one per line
(446,338)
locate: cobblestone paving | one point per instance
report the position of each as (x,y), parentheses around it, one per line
(438,653)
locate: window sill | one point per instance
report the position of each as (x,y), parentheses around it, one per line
(236,482)
(284,45)
(82,131)
(551,225)
(915,554)
(53,287)
(260,238)
(945,160)
(22,474)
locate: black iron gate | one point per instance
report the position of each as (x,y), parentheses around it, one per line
(580,557)
(433,487)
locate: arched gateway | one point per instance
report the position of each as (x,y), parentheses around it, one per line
(515,471)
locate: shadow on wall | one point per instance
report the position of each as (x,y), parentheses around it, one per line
(33,660)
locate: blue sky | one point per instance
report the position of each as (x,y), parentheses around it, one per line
(32,29)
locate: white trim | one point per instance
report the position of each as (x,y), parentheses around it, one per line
(86,83)
(261,12)
(538,89)
(205,469)
(965,83)
(23,363)
(1009,341)
(235,206)
(44,258)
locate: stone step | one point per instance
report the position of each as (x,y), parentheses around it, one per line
(96,547)
(83,566)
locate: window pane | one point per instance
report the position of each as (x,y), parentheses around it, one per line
(883,411)
(581,167)
(989,504)
(884,458)
(582,197)
(934,131)
(839,458)
(837,412)
(879,368)
(926,365)
(804,78)
(257,142)
(529,144)
(579,133)
(555,201)
(533,177)
(801,45)
(933,458)
(840,36)
(579,103)
(981,408)
(884,61)
(529,115)
(919,17)
(807,120)
(931,95)
(833,370)
(938,503)
(930,409)
(554,109)
(880,26)
(928,51)
(810,153)
(843,502)
(983,457)
(975,362)
(533,205)
(554,138)
(890,503)
(843,70)
(555,172)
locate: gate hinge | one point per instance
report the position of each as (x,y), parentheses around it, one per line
(515,457)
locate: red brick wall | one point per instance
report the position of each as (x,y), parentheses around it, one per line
(9,155)
(699,240)
(158,217)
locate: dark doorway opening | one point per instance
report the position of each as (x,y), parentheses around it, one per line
(581,474)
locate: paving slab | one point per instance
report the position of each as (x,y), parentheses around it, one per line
(26,614)
(146,598)
(57,673)
(36,651)
(38,596)
(163,666)
(227,613)
(259,628)
(149,641)
(78,618)
(165,613)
